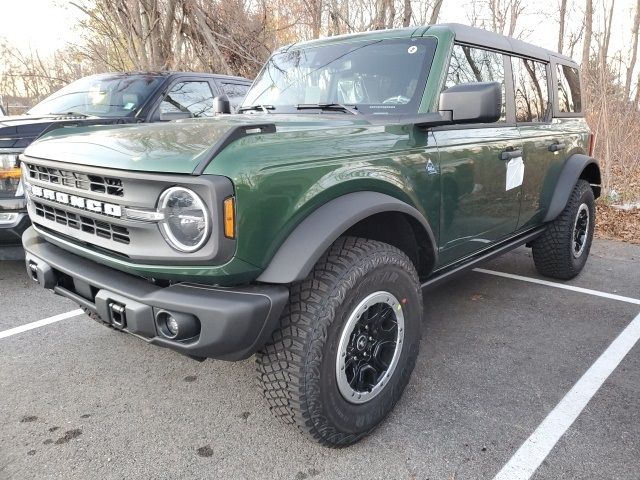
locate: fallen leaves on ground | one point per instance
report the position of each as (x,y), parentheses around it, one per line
(615,224)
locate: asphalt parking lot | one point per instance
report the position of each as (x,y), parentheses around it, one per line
(498,356)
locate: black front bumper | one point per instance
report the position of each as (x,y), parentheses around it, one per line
(11,234)
(232,323)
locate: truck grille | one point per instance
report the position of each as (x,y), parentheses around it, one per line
(89,225)
(93,210)
(81,181)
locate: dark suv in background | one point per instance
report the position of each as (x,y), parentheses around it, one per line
(111,98)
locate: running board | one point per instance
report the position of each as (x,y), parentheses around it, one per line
(451,272)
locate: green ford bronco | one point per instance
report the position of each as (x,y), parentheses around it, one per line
(359,171)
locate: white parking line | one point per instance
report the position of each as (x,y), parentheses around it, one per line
(535,449)
(563,286)
(40,323)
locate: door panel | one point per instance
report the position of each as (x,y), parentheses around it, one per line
(543,140)
(541,167)
(476,208)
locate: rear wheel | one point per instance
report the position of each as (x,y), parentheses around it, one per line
(562,250)
(347,342)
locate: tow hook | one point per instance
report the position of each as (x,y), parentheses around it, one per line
(33,270)
(118,315)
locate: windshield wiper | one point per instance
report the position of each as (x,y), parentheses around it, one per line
(353,110)
(73,114)
(264,108)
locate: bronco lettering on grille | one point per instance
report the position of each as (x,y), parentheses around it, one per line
(77,202)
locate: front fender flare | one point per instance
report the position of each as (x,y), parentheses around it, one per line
(571,172)
(314,235)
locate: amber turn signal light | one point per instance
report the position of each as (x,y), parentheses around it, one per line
(12,173)
(230,218)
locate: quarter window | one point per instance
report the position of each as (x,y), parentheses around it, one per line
(469,65)
(569,97)
(189,97)
(531,88)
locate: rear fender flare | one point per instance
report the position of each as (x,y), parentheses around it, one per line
(571,172)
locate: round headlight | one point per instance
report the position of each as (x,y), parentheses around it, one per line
(186,225)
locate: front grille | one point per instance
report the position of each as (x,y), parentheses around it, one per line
(81,181)
(89,225)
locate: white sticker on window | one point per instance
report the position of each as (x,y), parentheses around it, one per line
(515,173)
(412,49)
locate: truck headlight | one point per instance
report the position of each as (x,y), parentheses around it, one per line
(9,174)
(187,224)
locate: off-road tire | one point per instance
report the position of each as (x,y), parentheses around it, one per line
(297,367)
(553,250)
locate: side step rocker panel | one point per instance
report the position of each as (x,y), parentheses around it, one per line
(456,269)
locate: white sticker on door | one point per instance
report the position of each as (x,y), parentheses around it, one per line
(515,173)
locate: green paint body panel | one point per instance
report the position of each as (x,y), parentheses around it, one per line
(280,178)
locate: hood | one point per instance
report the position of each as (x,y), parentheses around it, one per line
(175,147)
(18,131)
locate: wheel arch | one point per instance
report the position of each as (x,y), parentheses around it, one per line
(372,215)
(577,166)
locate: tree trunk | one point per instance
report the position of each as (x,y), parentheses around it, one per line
(391,17)
(604,51)
(516,10)
(562,12)
(435,13)
(634,52)
(588,33)
(406,19)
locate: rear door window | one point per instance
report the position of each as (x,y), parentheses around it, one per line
(195,98)
(569,94)
(470,64)
(531,90)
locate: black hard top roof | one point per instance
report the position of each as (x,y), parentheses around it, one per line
(478,36)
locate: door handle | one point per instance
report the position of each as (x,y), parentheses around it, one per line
(510,154)
(556,147)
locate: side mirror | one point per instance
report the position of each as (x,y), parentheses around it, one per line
(168,116)
(221,104)
(472,102)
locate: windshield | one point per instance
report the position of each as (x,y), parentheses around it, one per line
(100,95)
(377,77)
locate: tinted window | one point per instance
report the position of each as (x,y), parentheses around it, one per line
(383,77)
(569,99)
(101,95)
(470,65)
(193,97)
(531,88)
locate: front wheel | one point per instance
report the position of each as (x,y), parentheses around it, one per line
(562,250)
(347,342)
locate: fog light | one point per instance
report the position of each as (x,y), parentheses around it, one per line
(8,218)
(172,326)
(177,326)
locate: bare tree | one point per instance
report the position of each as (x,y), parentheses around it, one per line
(634,52)
(435,12)
(406,15)
(606,35)
(588,33)
(562,13)
(503,15)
